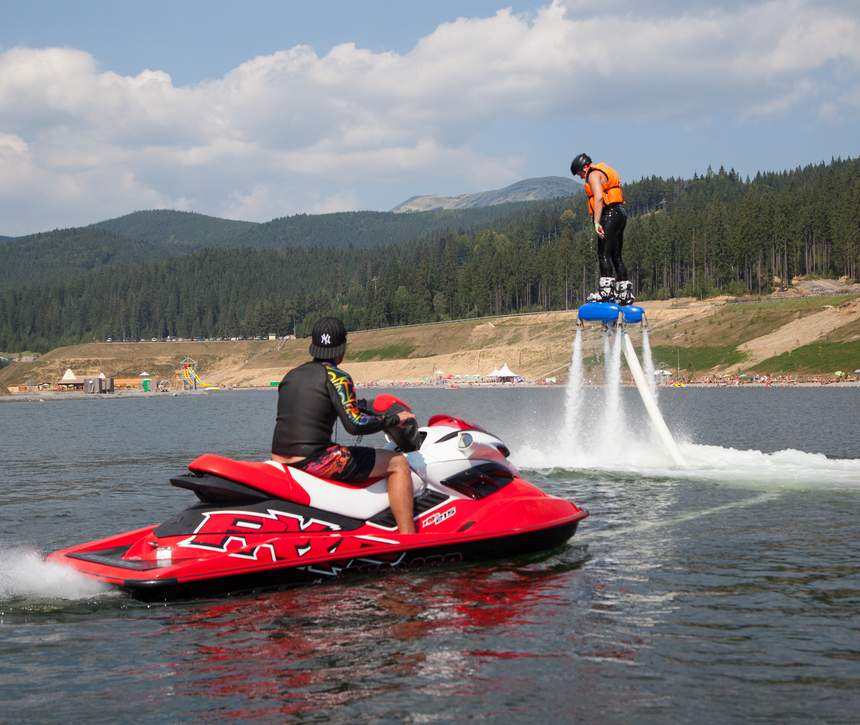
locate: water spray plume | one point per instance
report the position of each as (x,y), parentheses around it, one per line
(648,362)
(25,574)
(638,450)
(613,421)
(574,390)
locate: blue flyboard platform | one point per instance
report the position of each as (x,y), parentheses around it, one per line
(632,314)
(599,312)
(609,312)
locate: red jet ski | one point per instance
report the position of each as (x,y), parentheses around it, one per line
(263,525)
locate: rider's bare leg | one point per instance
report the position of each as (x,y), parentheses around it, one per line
(396,468)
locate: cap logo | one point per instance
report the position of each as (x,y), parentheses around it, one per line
(325,339)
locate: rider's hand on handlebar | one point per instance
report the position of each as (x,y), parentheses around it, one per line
(405,415)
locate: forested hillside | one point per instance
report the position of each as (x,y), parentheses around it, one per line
(371,228)
(177,227)
(340,229)
(714,233)
(148,236)
(63,254)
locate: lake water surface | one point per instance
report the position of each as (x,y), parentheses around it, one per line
(728,591)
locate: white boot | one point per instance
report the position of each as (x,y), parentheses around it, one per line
(605,291)
(624,292)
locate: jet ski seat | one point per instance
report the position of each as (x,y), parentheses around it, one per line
(361,500)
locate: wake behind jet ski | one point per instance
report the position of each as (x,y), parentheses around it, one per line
(262,525)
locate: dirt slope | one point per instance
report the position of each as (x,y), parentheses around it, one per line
(797,333)
(534,345)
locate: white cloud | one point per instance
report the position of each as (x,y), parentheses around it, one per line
(89,143)
(828,111)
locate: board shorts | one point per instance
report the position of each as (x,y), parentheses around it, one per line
(348,464)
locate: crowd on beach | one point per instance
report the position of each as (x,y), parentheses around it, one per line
(725,381)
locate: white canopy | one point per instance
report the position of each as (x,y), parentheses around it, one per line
(68,376)
(506,372)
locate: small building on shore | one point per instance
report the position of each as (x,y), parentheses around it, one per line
(94,384)
(100,384)
(70,382)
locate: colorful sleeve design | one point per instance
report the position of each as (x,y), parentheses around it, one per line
(354,420)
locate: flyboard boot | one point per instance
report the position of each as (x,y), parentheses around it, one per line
(605,291)
(624,292)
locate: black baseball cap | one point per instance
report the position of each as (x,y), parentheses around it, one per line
(328,339)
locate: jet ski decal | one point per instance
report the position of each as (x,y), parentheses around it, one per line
(219,529)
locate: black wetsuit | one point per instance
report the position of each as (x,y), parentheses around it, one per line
(310,398)
(614,219)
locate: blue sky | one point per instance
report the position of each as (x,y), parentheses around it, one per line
(271,108)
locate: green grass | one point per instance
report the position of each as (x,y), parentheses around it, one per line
(395,351)
(695,359)
(819,357)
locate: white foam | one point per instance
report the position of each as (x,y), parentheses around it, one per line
(781,469)
(25,574)
(598,437)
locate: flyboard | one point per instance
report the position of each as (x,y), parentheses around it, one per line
(609,315)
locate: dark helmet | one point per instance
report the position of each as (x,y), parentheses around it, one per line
(578,164)
(328,339)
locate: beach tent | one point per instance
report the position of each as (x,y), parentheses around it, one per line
(68,377)
(505,374)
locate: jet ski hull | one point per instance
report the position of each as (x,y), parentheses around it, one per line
(160,584)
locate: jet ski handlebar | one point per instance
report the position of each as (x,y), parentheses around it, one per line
(405,435)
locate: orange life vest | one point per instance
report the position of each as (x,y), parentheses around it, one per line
(611,187)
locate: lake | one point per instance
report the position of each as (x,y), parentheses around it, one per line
(725,591)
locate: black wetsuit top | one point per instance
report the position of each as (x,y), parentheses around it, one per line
(310,398)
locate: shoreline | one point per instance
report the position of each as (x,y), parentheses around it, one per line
(536,346)
(51,395)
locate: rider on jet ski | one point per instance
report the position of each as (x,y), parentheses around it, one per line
(310,398)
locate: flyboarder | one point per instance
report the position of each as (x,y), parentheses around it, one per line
(606,207)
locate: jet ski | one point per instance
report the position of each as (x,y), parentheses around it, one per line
(261,525)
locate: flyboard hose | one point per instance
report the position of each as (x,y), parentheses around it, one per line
(649,401)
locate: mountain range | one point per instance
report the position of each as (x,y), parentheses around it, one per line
(538,189)
(150,235)
(693,237)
